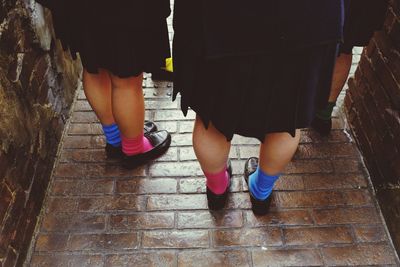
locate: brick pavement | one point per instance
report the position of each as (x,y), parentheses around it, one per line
(98,214)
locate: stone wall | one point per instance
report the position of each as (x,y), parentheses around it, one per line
(372,105)
(37,86)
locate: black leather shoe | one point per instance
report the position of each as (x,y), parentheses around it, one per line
(323,127)
(113,152)
(217,202)
(160,141)
(259,207)
(149,127)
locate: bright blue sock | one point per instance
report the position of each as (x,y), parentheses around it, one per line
(261,184)
(113,136)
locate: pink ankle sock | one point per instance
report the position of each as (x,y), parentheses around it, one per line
(218,182)
(134,146)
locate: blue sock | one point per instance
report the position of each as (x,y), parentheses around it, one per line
(113,136)
(261,184)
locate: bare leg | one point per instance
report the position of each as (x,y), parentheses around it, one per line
(340,75)
(323,117)
(98,89)
(277,151)
(211,147)
(128,105)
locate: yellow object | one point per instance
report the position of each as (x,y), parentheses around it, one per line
(169,66)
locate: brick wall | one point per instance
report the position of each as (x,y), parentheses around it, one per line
(372,105)
(37,85)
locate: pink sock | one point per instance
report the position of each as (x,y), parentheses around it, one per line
(134,146)
(218,182)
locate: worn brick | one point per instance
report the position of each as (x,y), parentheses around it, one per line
(269,236)
(174,115)
(80,129)
(241,140)
(82,187)
(370,234)
(177,202)
(84,117)
(366,215)
(181,140)
(67,260)
(186,154)
(334,181)
(161,104)
(142,221)
(159,259)
(289,183)
(298,199)
(359,255)
(81,95)
(357,198)
(57,205)
(51,242)
(112,203)
(326,150)
(170,126)
(206,219)
(317,236)
(170,155)
(335,136)
(347,165)
(69,170)
(77,156)
(186,126)
(147,186)
(175,170)
(249,151)
(213,259)
(280,217)
(73,222)
(309,166)
(99,242)
(110,170)
(82,105)
(176,239)
(287,257)
(238,201)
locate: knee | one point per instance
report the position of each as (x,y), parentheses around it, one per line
(124,83)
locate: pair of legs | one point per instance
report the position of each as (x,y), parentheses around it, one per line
(323,118)
(212,150)
(116,100)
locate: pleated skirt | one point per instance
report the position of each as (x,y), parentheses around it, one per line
(252,95)
(122,36)
(362,19)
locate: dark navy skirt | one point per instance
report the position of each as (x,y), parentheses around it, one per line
(126,37)
(362,19)
(255,94)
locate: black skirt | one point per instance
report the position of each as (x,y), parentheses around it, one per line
(362,19)
(253,94)
(126,37)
